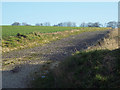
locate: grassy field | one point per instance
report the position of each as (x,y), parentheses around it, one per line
(18,37)
(13,30)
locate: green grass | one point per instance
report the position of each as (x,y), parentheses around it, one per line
(13,30)
(19,37)
(86,69)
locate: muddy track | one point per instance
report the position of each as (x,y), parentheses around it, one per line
(55,51)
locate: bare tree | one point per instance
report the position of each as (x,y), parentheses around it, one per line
(96,24)
(112,24)
(16,24)
(25,24)
(69,24)
(46,24)
(60,24)
(90,24)
(37,24)
(83,24)
(74,24)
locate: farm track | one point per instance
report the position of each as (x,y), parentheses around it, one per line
(55,51)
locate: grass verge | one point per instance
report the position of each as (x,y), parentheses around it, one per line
(85,69)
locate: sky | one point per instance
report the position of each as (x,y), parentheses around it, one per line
(56,12)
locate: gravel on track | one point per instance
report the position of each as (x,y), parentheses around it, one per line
(56,51)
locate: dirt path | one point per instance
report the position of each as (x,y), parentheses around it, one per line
(22,63)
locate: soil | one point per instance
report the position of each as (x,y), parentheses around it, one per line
(17,75)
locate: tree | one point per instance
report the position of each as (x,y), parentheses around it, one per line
(68,24)
(83,24)
(60,24)
(74,24)
(25,24)
(16,24)
(55,25)
(37,24)
(112,24)
(41,24)
(105,25)
(96,24)
(118,24)
(90,24)
(46,24)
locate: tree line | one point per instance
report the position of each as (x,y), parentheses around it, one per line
(112,24)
